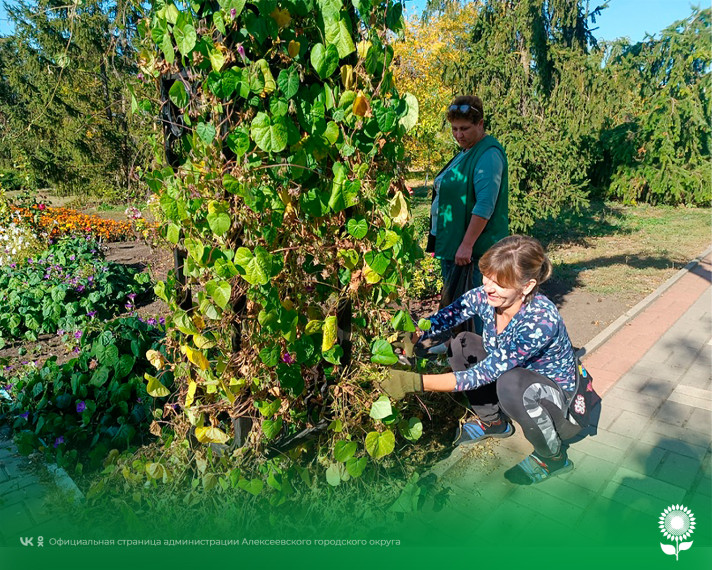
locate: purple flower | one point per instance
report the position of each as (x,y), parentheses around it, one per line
(128,306)
(13,265)
(140,76)
(151,321)
(91,314)
(233,12)
(25,415)
(162,321)
(241,51)
(58,441)
(288,358)
(81,406)
(72,258)
(77,334)
(30,260)
(80,288)
(76,350)
(132,296)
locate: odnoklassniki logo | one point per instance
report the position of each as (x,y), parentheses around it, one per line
(676,523)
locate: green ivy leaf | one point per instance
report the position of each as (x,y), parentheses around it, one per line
(219,222)
(357,227)
(238,141)
(219,22)
(185,37)
(220,292)
(344,450)
(410,119)
(355,467)
(100,376)
(324,60)
(333,475)
(385,114)
(381,408)
(402,322)
(424,324)
(288,81)
(178,95)
(378,261)
(173,233)
(206,131)
(257,267)
(252,486)
(382,353)
(269,356)
(412,429)
(338,34)
(268,135)
(378,445)
(217,59)
(271,428)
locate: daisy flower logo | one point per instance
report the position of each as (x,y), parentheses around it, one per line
(676,523)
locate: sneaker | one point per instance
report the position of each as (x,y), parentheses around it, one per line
(534,469)
(473,432)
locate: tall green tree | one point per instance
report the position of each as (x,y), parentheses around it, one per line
(66,73)
(655,145)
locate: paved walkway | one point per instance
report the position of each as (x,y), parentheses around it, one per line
(652,448)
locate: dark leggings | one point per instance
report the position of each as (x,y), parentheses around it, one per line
(534,401)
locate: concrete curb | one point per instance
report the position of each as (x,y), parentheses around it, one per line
(64,482)
(628,316)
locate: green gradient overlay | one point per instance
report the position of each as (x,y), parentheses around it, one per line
(534,528)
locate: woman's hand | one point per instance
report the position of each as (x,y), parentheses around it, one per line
(463,256)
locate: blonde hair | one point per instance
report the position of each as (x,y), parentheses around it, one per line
(514,260)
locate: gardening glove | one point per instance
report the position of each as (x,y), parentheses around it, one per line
(402,382)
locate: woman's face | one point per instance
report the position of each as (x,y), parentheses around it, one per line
(466,133)
(503,298)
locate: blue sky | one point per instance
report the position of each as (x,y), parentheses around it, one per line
(629,18)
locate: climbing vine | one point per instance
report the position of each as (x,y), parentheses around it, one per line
(282,192)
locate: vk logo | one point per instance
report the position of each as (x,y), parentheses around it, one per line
(27,541)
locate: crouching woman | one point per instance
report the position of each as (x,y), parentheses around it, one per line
(521,369)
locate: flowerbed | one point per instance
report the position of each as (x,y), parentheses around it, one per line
(95,402)
(59,222)
(64,288)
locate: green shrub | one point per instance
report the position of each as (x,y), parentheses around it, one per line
(65,287)
(94,402)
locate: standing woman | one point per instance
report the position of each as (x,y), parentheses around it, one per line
(523,366)
(470,210)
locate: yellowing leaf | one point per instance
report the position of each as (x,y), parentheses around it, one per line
(155,470)
(196,357)
(282,17)
(313,326)
(347,77)
(370,275)
(399,210)
(199,322)
(329,331)
(203,342)
(293,48)
(210,435)
(362,49)
(155,358)
(190,396)
(155,388)
(360,106)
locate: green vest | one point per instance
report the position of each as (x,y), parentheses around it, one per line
(456,199)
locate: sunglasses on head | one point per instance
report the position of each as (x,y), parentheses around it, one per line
(462,108)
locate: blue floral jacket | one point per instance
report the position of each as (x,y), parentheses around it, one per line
(536,339)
